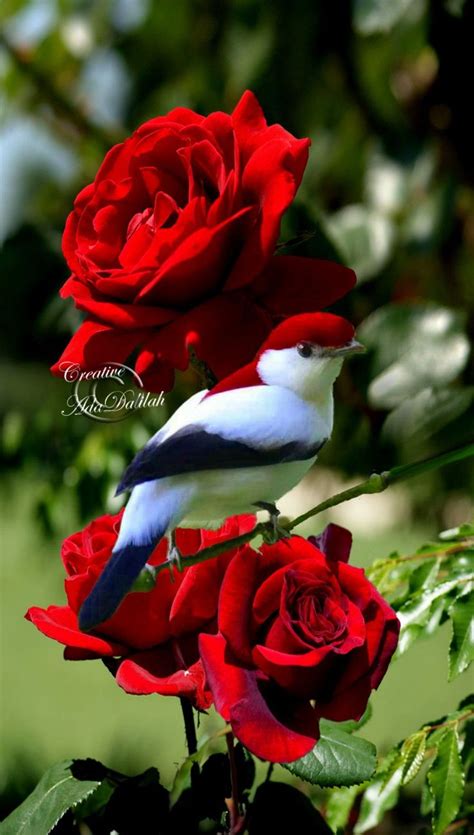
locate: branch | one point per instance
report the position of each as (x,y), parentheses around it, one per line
(376,483)
(236,819)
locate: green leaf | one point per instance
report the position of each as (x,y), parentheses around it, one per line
(415,613)
(424,576)
(426,412)
(378,798)
(446,782)
(413,754)
(338,759)
(339,805)
(464,531)
(56,792)
(426,803)
(415,347)
(461,650)
(364,237)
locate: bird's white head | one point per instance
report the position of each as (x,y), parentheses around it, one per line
(305,354)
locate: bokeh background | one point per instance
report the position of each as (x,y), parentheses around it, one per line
(382,88)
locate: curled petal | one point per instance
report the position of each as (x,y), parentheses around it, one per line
(273,728)
(155,672)
(60,623)
(95,344)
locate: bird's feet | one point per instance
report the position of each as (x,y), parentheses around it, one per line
(175,557)
(276,531)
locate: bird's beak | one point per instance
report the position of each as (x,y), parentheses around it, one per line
(351,347)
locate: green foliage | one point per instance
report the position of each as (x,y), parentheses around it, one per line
(56,793)
(372,16)
(446,781)
(418,351)
(388,190)
(461,651)
(431,586)
(438,743)
(338,759)
(426,588)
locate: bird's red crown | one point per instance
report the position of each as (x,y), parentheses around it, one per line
(325,329)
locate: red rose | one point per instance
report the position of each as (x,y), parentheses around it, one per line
(303,635)
(154,634)
(172,245)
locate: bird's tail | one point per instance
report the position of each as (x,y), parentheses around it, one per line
(133,548)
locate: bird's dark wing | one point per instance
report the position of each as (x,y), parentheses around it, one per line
(192,449)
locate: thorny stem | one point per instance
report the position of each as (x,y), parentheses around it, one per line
(456,721)
(236,820)
(269,773)
(376,483)
(191,738)
(441,553)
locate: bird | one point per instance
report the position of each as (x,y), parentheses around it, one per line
(228,450)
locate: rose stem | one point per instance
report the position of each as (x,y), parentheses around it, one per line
(191,739)
(233,804)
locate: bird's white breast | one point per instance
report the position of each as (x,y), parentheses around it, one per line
(216,494)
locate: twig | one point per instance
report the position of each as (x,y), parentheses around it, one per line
(457,825)
(441,552)
(456,721)
(189,727)
(377,483)
(191,740)
(236,819)
(269,773)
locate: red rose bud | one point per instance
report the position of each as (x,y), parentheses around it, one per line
(301,636)
(172,246)
(154,635)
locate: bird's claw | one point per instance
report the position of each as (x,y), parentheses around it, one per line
(273,531)
(175,557)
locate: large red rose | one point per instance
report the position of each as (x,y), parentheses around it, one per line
(151,642)
(302,635)
(172,246)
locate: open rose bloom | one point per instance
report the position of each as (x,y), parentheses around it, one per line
(172,246)
(151,642)
(302,635)
(276,638)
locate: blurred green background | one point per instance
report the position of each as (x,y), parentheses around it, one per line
(381,88)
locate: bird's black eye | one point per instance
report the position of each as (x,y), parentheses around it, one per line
(304,349)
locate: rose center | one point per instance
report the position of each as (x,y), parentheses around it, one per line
(314,608)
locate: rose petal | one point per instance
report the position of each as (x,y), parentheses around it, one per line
(94,344)
(225,332)
(270,180)
(335,542)
(60,623)
(293,284)
(126,316)
(197,266)
(275,730)
(155,672)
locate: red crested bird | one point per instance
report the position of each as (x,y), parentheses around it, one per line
(241,445)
